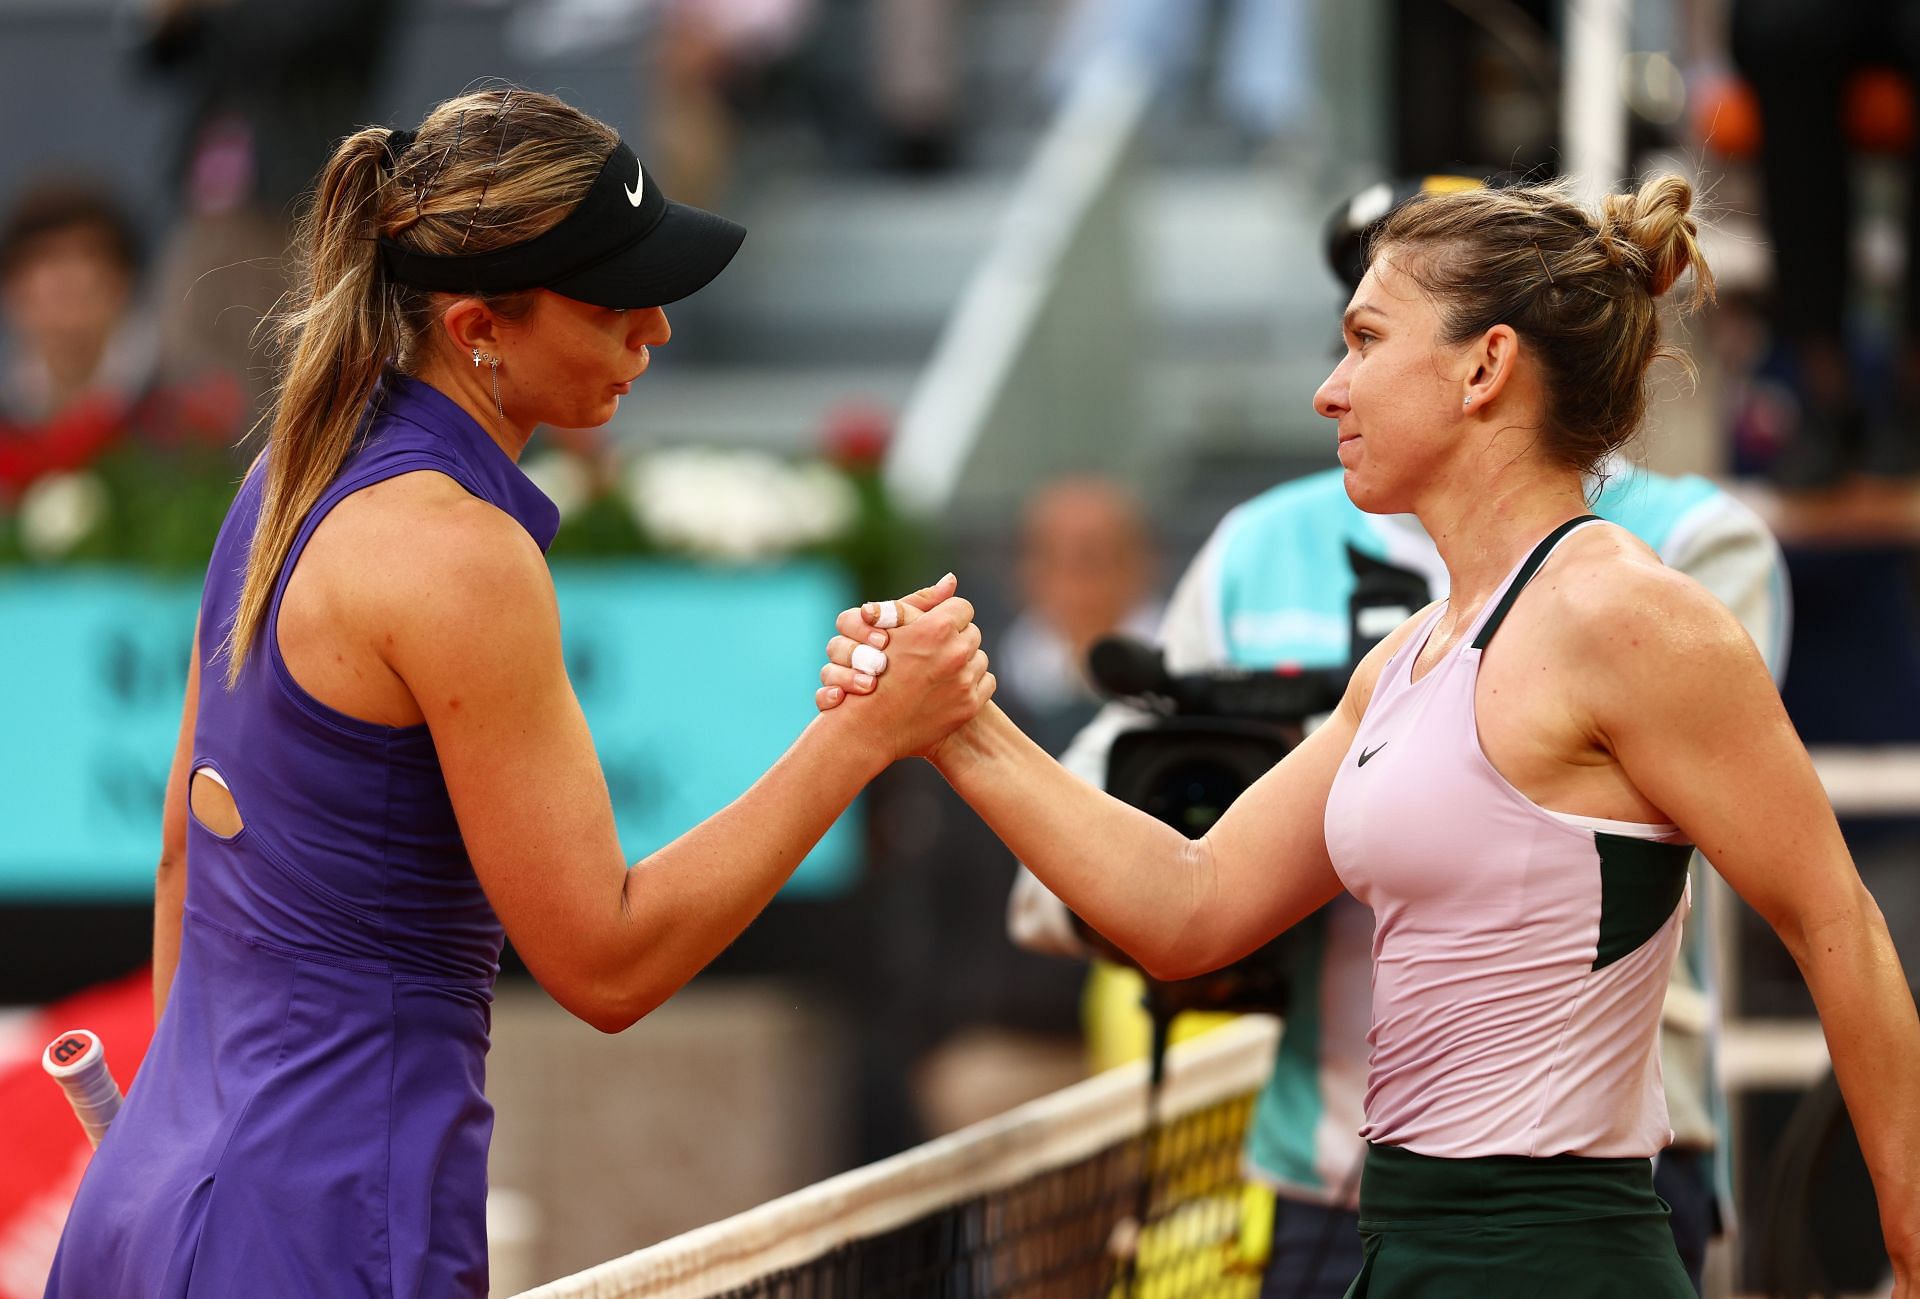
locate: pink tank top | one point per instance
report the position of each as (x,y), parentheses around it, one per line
(1520,955)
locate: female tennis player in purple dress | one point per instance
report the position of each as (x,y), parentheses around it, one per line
(1512,782)
(382,761)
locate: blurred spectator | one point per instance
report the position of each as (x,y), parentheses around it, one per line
(1086,568)
(269,84)
(710,52)
(1799,56)
(80,373)
(704,61)
(972,1023)
(68,263)
(1263,69)
(915,74)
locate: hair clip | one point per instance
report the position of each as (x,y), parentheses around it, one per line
(487,184)
(446,156)
(1543,266)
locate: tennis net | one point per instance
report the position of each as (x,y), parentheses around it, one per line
(1074,1196)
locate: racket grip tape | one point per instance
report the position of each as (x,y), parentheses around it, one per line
(78,1063)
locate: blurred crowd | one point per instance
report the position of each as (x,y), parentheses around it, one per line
(125,325)
(137,329)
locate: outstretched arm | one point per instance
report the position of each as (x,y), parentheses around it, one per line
(1178,907)
(1680,696)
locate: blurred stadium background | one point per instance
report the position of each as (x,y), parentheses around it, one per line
(995,245)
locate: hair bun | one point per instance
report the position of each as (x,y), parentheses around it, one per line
(1655,229)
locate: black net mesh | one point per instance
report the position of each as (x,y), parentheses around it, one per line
(1156,1216)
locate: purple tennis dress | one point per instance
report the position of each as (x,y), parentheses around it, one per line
(310,1119)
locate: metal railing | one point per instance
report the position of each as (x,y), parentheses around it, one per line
(1037,370)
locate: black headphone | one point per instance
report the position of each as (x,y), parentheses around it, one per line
(1354,221)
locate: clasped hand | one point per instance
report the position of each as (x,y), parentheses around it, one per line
(927,647)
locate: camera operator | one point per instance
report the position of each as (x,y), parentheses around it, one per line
(1272,587)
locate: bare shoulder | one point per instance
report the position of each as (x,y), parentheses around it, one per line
(445,561)
(432,529)
(1633,624)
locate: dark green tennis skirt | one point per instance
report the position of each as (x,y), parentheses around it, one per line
(1510,1227)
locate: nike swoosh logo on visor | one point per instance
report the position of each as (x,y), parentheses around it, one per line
(639,185)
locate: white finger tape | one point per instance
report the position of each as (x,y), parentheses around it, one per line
(869,660)
(889,614)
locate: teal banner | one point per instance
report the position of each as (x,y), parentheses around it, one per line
(694,680)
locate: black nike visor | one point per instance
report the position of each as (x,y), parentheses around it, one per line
(624,245)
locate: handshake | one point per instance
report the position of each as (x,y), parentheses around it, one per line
(927,647)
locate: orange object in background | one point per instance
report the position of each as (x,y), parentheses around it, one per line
(45,1148)
(1878,114)
(1725,115)
(1880,111)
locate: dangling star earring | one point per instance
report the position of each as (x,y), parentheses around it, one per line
(493,363)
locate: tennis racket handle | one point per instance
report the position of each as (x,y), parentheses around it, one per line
(77,1062)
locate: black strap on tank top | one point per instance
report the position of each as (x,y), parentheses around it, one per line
(1525,575)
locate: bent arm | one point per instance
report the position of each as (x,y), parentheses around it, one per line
(476,639)
(1684,702)
(478,644)
(170,877)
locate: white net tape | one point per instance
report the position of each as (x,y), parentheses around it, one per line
(1053,1132)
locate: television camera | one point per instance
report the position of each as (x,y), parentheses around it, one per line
(1212,735)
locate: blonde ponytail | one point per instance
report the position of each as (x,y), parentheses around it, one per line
(487,170)
(337,333)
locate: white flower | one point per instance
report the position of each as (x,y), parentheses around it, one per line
(563,478)
(738,506)
(59,511)
(825,503)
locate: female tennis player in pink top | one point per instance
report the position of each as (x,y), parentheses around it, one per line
(1512,782)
